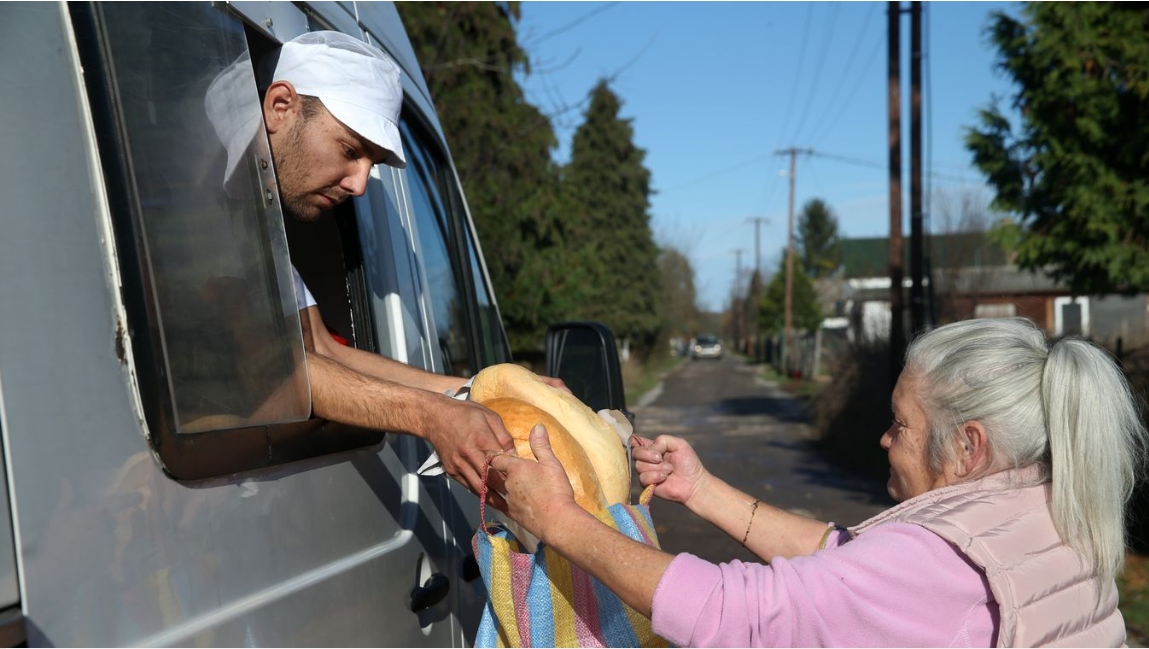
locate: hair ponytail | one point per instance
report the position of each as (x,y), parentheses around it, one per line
(1067,409)
(1095,445)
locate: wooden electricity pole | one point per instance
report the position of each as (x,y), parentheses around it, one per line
(739,302)
(788,334)
(755,289)
(897,330)
(917,292)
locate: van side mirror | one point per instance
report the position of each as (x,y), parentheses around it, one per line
(584,356)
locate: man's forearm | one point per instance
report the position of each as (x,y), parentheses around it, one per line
(318,341)
(342,394)
(392,370)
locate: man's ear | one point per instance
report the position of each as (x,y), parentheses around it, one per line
(973,456)
(279,105)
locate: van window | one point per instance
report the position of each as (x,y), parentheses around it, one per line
(445,279)
(493,346)
(206,214)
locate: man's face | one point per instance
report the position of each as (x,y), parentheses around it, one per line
(320,163)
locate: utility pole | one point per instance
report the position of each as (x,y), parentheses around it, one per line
(756,286)
(897,330)
(739,303)
(757,220)
(789,331)
(917,293)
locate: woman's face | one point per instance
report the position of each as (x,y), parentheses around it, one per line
(905,443)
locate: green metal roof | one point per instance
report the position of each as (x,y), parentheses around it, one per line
(869,257)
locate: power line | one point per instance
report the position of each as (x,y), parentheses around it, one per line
(877,165)
(713,174)
(797,76)
(562,110)
(817,178)
(817,71)
(830,105)
(572,24)
(853,91)
(768,192)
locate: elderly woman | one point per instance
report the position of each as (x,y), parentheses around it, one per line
(1012,460)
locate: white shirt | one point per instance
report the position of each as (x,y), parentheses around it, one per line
(303,297)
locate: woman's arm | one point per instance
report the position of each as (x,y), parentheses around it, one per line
(673,467)
(539,497)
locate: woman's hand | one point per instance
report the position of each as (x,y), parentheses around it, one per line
(672,466)
(538,494)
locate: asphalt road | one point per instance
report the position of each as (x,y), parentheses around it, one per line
(756,437)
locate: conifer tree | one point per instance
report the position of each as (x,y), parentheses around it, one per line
(805,314)
(1074,171)
(502,148)
(818,239)
(608,189)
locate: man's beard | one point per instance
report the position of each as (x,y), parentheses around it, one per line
(291,165)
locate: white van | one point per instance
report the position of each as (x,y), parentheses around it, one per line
(146,316)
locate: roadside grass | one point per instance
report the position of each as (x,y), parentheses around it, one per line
(639,378)
(805,389)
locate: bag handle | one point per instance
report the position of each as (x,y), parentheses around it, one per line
(483,495)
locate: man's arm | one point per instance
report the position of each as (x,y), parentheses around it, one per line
(317,339)
(358,388)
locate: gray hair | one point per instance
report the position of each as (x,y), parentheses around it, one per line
(1065,407)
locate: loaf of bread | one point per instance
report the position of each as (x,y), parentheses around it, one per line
(520,417)
(599,441)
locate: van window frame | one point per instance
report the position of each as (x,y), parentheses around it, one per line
(461,245)
(184,456)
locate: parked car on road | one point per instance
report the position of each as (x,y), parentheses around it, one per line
(706,346)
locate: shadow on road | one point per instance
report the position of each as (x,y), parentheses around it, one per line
(784,409)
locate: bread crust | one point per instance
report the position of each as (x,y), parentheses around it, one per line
(520,417)
(601,443)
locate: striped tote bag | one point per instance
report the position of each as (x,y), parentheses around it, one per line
(540,600)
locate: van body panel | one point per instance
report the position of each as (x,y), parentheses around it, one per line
(110,550)
(282,21)
(99,545)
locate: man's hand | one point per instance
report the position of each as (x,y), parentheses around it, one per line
(464,434)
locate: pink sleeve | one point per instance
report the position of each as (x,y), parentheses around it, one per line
(897,585)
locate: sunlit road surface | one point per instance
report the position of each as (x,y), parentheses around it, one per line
(754,436)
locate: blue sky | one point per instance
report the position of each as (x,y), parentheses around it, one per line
(715,88)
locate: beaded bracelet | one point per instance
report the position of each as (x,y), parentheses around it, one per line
(753,509)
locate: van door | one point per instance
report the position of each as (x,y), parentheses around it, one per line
(316,545)
(11,616)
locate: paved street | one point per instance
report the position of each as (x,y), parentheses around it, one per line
(754,436)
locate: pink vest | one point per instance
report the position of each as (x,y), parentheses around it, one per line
(1046,594)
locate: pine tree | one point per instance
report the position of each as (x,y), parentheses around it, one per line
(805,314)
(608,189)
(679,297)
(502,148)
(1075,172)
(818,239)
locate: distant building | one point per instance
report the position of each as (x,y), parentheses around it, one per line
(974,278)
